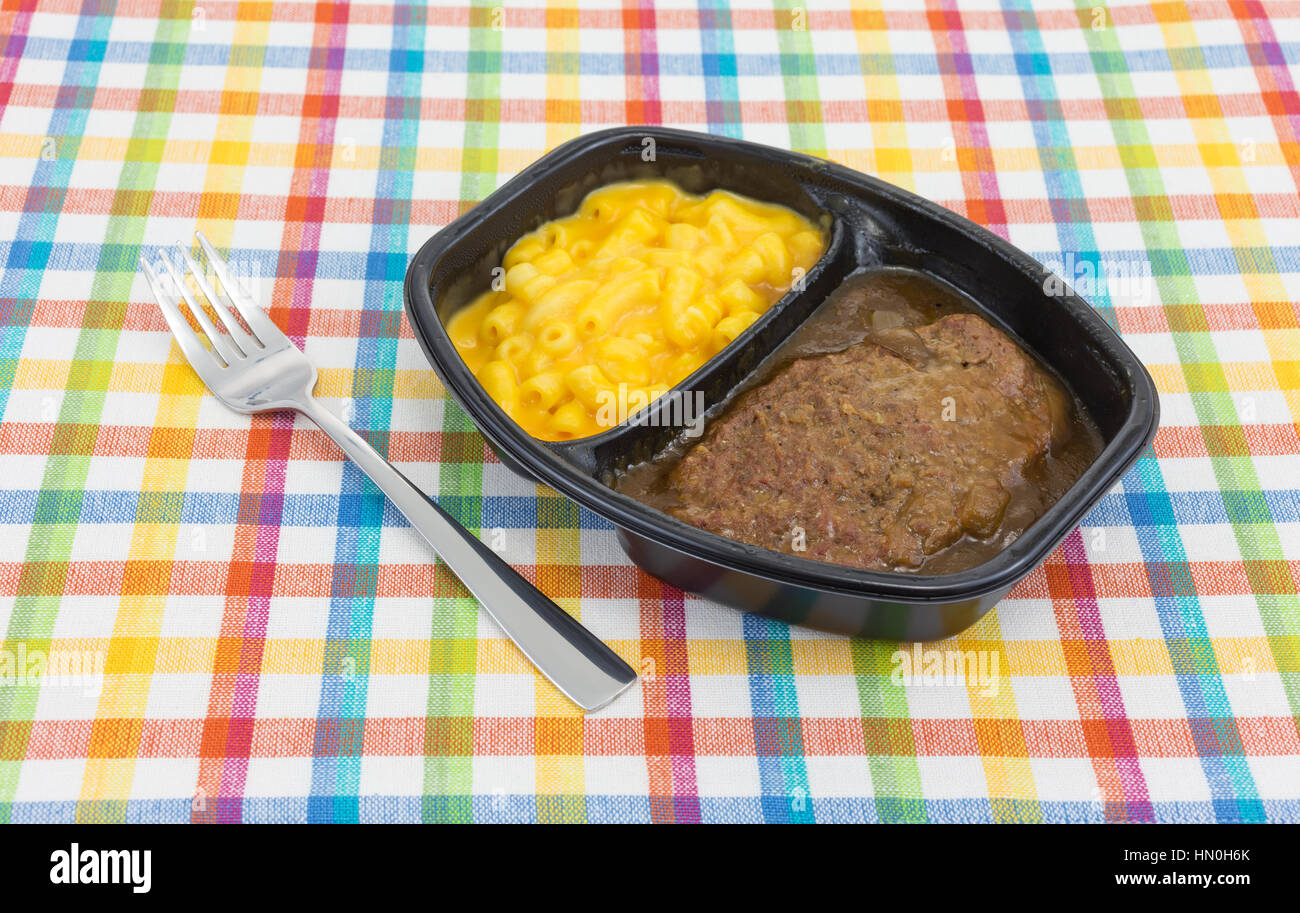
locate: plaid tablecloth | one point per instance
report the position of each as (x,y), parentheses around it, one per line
(208,617)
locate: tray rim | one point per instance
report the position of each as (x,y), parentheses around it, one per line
(547,465)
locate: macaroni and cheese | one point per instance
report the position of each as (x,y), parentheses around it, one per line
(594,315)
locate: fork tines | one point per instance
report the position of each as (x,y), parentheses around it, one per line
(167,281)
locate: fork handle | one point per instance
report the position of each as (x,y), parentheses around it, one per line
(579,663)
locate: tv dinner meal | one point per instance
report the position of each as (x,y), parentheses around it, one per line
(899,432)
(884,445)
(623,299)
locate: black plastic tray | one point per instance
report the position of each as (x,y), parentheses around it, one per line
(872,224)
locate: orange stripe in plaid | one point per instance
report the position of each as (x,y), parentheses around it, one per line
(1114,580)
(1262,736)
(22,438)
(666,665)
(237,654)
(1260,440)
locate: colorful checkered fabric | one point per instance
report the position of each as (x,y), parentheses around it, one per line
(209,618)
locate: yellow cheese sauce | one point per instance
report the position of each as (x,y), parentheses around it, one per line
(593,316)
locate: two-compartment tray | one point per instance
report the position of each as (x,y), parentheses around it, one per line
(871,224)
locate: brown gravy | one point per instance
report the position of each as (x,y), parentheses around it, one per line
(858,311)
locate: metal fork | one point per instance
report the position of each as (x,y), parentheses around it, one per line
(264,371)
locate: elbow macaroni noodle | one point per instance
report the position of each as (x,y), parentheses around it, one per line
(625,298)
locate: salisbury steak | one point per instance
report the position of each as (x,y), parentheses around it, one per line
(880,455)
